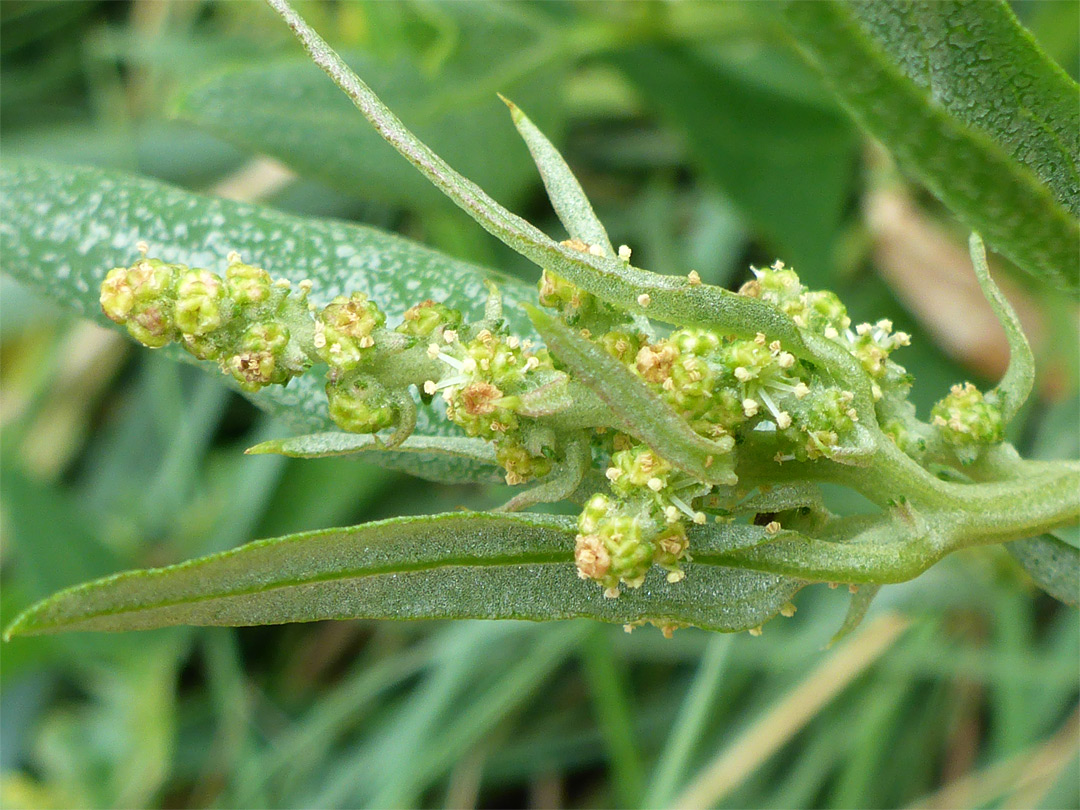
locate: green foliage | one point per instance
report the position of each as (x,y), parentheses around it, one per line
(763,144)
(448,566)
(57,211)
(120,460)
(670,395)
(287,111)
(965,101)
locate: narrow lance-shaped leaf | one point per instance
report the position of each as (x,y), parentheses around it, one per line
(639,411)
(416,452)
(462,565)
(565,192)
(671,299)
(64,227)
(1015,385)
(963,98)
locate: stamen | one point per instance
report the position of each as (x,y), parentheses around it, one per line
(682,507)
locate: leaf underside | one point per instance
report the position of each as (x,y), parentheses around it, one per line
(462,565)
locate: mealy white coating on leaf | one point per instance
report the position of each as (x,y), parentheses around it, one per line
(64,227)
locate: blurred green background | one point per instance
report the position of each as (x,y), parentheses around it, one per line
(705,144)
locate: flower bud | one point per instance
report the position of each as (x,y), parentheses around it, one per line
(117,296)
(638,469)
(200,300)
(260,356)
(343,331)
(824,310)
(778,285)
(572,302)
(965,418)
(360,407)
(248,286)
(623,346)
(428,317)
(671,546)
(152,324)
(202,347)
(141,297)
(520,464)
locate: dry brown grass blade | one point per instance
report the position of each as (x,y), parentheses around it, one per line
(769,733)
(930,272)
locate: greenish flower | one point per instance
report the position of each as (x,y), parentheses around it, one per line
(965,419)
(249,287)
(613,546)
(638,470)
(142,298)
(572,302)
(260,357)
(520,464)
(428,318)
(360,406)
(621,345)
(344,329)
(200,303)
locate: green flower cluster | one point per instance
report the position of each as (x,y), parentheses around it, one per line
(734,389)
(619,540)
(742,394)
(486,376)
(241,321)
(576,306)
(822,312)
(966,420)
(344,337)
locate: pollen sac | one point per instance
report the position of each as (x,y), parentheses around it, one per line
(249,287)
(360,406)
(428,318)
(344,329)
(142,298)
(966,420)
(201,305)
(613,545)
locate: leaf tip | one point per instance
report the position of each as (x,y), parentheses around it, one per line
(515,110)
(18,625)
(267,448)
